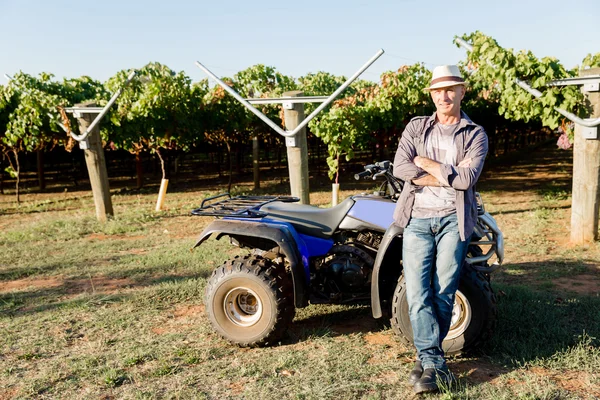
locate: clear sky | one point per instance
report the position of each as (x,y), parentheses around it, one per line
(98,38)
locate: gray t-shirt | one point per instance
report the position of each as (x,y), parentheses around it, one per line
(431,201)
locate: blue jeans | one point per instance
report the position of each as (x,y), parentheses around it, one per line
(432,256)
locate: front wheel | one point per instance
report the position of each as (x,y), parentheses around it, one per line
(473,315)
(249,300)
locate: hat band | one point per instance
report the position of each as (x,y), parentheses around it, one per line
(447,79)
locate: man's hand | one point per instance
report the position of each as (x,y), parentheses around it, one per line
(432,167)
(423,162)
(427,180)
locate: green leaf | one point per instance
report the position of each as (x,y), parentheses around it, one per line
(11,172)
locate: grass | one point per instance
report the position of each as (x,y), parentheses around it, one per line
(554,193)
(115,310)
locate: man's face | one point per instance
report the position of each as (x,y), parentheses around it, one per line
(447,99)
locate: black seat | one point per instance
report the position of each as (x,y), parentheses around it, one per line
(309,220)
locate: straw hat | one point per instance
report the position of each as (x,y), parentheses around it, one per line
(444,76)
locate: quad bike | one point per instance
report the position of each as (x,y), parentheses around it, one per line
(351,253)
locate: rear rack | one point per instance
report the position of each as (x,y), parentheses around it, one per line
(239,206)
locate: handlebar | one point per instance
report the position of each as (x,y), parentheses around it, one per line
(364,174)
(374,170)
(379,169)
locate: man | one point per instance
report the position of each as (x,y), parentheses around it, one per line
(440,157)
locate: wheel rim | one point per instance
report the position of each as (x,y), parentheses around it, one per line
(461,316)
(242,306)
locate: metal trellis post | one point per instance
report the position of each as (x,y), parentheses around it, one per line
(298,170)
(96,164)
(91,143)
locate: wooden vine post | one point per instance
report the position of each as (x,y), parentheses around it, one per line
(96,164)
(586,175)
(256,162)
(298,154)
(162,193)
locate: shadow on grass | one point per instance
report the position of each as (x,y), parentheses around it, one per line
(535,325)
(534,328)
(152,275)
(14,273)
(534,207)
(357,319)
(538,272)
(72,293)
(547,168)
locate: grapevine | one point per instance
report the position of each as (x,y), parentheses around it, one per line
(495,68)
(163,111)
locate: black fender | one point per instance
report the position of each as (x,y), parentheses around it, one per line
(264,236)
(387,268)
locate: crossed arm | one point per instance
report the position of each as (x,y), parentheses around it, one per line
(422,171)
(434,175)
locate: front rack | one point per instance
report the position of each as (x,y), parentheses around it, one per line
(480,206)
(491,241)
(239,206)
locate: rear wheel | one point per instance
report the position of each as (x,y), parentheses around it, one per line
(249,300)
(473,315)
